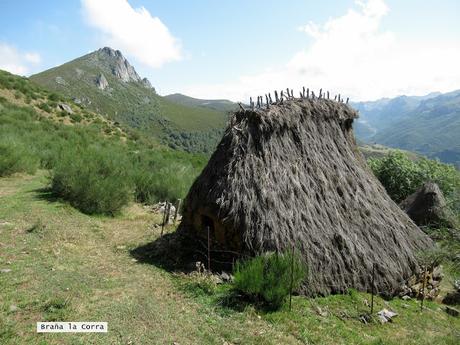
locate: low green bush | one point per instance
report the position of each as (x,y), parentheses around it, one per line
(268,277)
(14,158)
(164,175)
(76,117)
(45,107)
(54,97)
(94,180)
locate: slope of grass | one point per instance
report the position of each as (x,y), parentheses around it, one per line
(68,266)
(216,104)
(20,91)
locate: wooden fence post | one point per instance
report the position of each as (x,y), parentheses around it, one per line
(179,202)
(423,289)
(163,222)
(209,248)
(372,288)
(292,278)
(165,217)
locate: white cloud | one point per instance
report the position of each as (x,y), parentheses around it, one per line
(33,58)
(133,31)
(17,62)
(352,55)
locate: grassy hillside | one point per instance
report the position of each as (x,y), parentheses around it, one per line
(94,164)
(63,265)
(133,103)
(380,151)
(19,91)
(222,105)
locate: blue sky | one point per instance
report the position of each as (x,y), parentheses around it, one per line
(234,49)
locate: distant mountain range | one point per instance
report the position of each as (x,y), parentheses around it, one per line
(429,125)
(105,82)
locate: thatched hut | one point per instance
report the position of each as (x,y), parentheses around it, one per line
(292,174)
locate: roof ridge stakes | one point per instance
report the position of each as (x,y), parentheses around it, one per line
(289,95)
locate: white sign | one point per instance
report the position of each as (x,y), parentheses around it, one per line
(72,327)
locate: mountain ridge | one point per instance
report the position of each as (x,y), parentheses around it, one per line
(428,125)
(216,104)
(104,81)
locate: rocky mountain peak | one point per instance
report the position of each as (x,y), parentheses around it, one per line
(146,83)
(119,66)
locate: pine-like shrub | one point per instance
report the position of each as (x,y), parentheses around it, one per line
(268,277)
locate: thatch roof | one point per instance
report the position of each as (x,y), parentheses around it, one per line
(291,174)
(428,207)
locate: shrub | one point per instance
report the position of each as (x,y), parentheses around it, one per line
(162,177)
(76,117)
(94,180)
(14,157)
(54,97)
(45,107)
(402,176)
(269,277)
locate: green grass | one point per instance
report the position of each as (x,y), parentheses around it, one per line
(69,266)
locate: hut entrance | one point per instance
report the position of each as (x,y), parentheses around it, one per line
(207,222)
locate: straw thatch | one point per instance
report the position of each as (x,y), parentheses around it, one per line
(428,207)
(291,175)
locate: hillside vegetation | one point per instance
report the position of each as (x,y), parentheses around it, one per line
(93,164)
(216,104)
(105,82)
